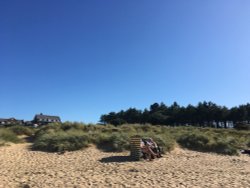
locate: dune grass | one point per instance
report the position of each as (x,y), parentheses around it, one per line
(206,143)
(7,136)
(74,136)
(57,137)
(248,143)
(22,130)
(61,141)
(111,138)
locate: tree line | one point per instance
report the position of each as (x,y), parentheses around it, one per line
(205,114)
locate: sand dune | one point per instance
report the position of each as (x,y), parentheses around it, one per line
(20,167)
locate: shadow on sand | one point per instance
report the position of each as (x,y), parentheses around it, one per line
(116,159)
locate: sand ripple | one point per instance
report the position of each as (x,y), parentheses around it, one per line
(20,167)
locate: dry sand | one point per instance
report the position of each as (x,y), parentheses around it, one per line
(20,167)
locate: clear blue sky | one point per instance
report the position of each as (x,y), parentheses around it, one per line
(81,59)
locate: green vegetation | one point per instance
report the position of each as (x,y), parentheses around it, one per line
(7,136)
(58,141)
(58,137)
(206,143)
(112,142)
(22,130)
(111,138)
(242,126)
(72,136)
(204,114)
(248,143)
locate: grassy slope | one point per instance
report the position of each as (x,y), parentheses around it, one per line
(67,136)
(73,136)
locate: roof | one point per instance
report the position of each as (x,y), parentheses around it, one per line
(11,120)
(2,119)
(42,116)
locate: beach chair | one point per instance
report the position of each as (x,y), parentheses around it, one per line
(135,148)
(136,151)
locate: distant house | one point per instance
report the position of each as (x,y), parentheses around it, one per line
(11,121)
(3,121)
(28,123)
(41,119)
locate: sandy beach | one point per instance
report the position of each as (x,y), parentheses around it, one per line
(21,167)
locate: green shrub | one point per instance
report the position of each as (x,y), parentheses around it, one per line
(223,147)
(242,126)
(194,141)
(165,142)
(209,143)
(99,138)
(113,142)
(111,138)
(61,141)
(7,135)
(2,142)
(46,129)
(248,143)
(75,125)
(142,128)
(22,130)
(128,129)
(119,142)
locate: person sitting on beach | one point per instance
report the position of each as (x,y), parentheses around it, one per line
(147,150)
(155,148)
